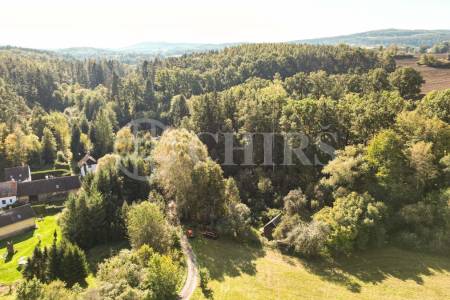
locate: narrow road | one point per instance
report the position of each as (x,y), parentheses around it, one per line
(192,277)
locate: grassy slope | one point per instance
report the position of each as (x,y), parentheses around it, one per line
(24,245)
(244,272)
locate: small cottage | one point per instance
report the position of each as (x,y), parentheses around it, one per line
(17,220)
(87,165)
(268,229)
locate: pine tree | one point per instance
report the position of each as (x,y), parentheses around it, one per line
(178,109)
(84,125)
(145,69)
(75,143)
(74,264)
(48,146)
(150,102)
(115,86)
(102,134)
(54,264)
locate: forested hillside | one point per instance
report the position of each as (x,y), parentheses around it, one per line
(373,166)
(386,37)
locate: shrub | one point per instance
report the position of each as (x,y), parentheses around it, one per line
(140,274)
(426,224)
(204,278)
(29,290)
(146,224)
(56,290)
(355,221)
(162,277)
(308,239)
(121,268)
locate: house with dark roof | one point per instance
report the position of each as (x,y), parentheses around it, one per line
(16,220)
(47,189)
(8,193)
(87,165)
(19,174)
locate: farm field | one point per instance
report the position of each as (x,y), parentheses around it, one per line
(245,272)
(435,78)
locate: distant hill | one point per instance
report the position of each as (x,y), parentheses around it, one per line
(386,37)
(140,51)
(146,50)
(171,49)
(82,52)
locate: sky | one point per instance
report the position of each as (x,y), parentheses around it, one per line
(113,24)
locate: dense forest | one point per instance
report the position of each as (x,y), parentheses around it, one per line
(378,150)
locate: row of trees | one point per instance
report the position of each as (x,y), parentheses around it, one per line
(62,261)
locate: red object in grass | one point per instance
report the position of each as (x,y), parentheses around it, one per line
(190,233)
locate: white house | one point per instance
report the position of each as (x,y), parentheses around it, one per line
(8,193)
(87,165)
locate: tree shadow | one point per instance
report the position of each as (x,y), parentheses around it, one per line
(226,257)
(18,238)
(208,293)
(100,253)
(328,271)
(375,266)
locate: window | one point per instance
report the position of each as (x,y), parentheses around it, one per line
(3,202)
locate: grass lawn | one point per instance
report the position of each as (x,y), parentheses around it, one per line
(24,245)
(248,272)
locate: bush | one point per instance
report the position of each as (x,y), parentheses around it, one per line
(56,290)
(121,268)
(204,278)
(146,224)
(308,239)
(162,277)
(426,224)
(29,290)
(355,221)
(432,61)
(140,274)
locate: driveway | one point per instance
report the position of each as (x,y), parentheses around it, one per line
(192,277)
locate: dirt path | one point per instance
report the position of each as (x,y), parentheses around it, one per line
(192,277)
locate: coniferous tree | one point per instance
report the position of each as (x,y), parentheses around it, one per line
(84,125)
(48,146)
(54,263)
(115,86)
(75,143)
(178,109)
(102,134)
(149,96)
